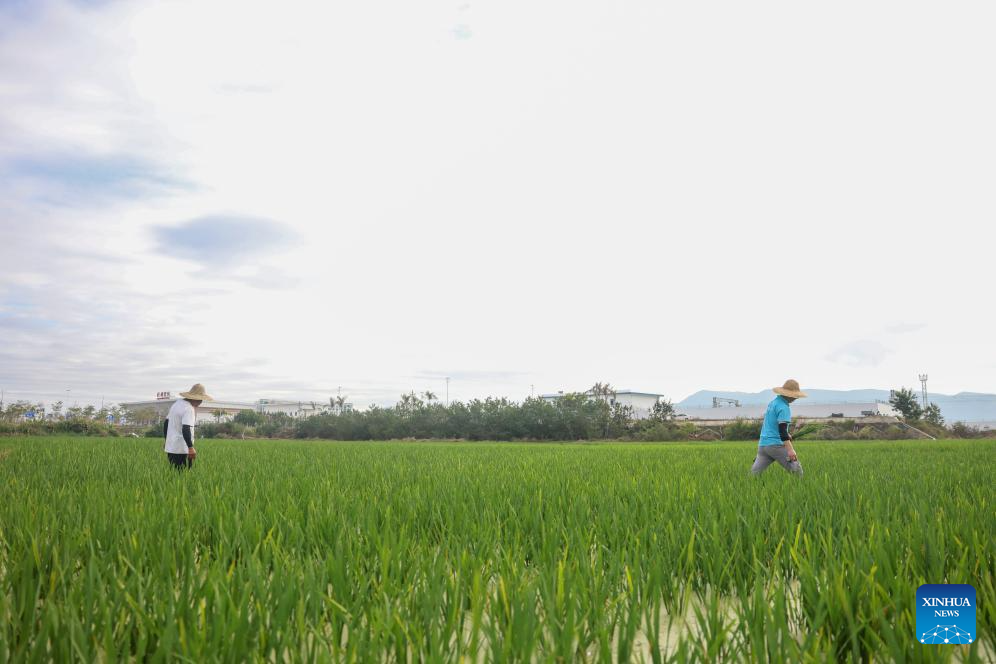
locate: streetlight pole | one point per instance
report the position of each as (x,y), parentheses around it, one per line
(447,391)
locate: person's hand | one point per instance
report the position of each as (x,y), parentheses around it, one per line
(191,453)
(792,455)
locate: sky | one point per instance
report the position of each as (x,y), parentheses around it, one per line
(291,199)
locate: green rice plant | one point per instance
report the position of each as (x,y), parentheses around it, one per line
(319,551)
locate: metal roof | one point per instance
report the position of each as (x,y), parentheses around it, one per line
(205,405)
(755,412)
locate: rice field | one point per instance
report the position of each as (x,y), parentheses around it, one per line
(286,551)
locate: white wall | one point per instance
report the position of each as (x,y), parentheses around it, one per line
(641,403)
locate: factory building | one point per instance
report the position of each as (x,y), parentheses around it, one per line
(152,410)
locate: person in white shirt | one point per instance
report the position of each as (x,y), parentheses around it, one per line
(178,427)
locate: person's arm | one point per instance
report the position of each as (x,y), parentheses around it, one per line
(783,433)
(187,421)
(166,428)
(784,419)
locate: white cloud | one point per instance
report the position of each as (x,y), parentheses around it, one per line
(668,197)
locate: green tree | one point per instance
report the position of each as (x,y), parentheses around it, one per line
(662,411)
(620,421)
(143,416)
(16,410)
(904,400)
(409,405)
(933,415)
(249,418)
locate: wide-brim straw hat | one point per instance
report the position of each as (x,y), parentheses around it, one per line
(197,393)
(790,389)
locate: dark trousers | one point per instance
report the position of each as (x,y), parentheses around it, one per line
(180,461)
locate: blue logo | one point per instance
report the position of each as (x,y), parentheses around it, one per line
(945,613)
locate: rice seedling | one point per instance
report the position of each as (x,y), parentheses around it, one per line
(449,552)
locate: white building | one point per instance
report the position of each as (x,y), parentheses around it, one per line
(803,411)
(144,412)
(641,402)
(292,408)
(153,410)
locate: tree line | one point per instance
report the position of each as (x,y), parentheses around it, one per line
(580,416)
(37,418)
(592,415)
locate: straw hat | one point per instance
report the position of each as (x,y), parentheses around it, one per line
(198,393)
(790,389)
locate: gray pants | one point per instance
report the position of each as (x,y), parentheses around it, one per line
(768,454)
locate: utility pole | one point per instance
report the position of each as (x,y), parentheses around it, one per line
(532,391)
(923,383)
(447,391)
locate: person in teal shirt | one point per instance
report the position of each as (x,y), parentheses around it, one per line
(775,443)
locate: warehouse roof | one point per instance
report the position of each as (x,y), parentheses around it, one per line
(754,412)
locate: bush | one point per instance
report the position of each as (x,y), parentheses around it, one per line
(867,432)
(76,426)
(962,430)
(742,429)
(657,431)
(894,432)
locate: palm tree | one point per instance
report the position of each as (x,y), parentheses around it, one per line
(429,396)
(602,390)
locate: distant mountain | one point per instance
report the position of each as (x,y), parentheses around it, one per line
(962,407)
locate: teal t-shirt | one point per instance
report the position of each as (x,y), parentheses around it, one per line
(778,411)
